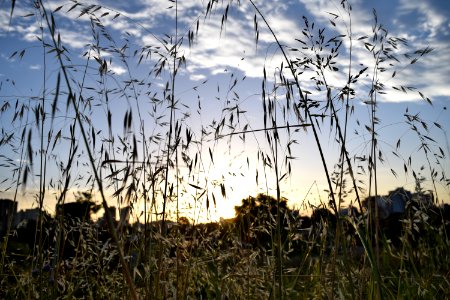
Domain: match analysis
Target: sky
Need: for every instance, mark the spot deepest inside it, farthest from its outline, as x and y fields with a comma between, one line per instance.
x=118, y=58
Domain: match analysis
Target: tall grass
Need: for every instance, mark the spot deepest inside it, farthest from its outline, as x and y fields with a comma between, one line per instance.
x=162, y=159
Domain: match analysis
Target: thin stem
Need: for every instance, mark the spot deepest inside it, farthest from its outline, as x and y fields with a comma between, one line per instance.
x=111, y=227
x=304, y=100
x=172, y=118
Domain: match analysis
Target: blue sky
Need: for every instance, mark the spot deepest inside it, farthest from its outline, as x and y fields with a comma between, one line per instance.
x=218, y=56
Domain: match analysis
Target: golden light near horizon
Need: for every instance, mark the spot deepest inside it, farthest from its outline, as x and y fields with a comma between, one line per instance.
x=239, y=183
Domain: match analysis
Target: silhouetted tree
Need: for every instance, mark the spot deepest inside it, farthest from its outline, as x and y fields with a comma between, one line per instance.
x=81, y=209
x=323, y=226
x=73, y=216
x=256, y=219
x=321, y=216
x=26, y=233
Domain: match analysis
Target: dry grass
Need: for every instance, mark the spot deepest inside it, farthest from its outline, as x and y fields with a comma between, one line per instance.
x=153, y=154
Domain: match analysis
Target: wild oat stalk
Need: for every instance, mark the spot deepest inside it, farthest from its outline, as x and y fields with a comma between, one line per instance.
x=51, y=26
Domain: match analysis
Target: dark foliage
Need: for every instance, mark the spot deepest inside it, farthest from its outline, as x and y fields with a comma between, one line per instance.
x=256, y=220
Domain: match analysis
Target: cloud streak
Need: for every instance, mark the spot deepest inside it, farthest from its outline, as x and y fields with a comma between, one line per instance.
x=233, y=46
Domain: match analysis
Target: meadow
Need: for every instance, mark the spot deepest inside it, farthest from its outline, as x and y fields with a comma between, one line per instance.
x=133, y=143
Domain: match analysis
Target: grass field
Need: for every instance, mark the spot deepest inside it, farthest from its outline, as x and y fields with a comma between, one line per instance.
x=70, y=138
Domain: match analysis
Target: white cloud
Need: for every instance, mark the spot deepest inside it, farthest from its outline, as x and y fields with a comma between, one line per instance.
x=197, y=77
x=234, y=48
x=117, y=69
x=35, y=67
x=4, y=21
x=430, y=75
x=74, y=39
x=431, y=20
